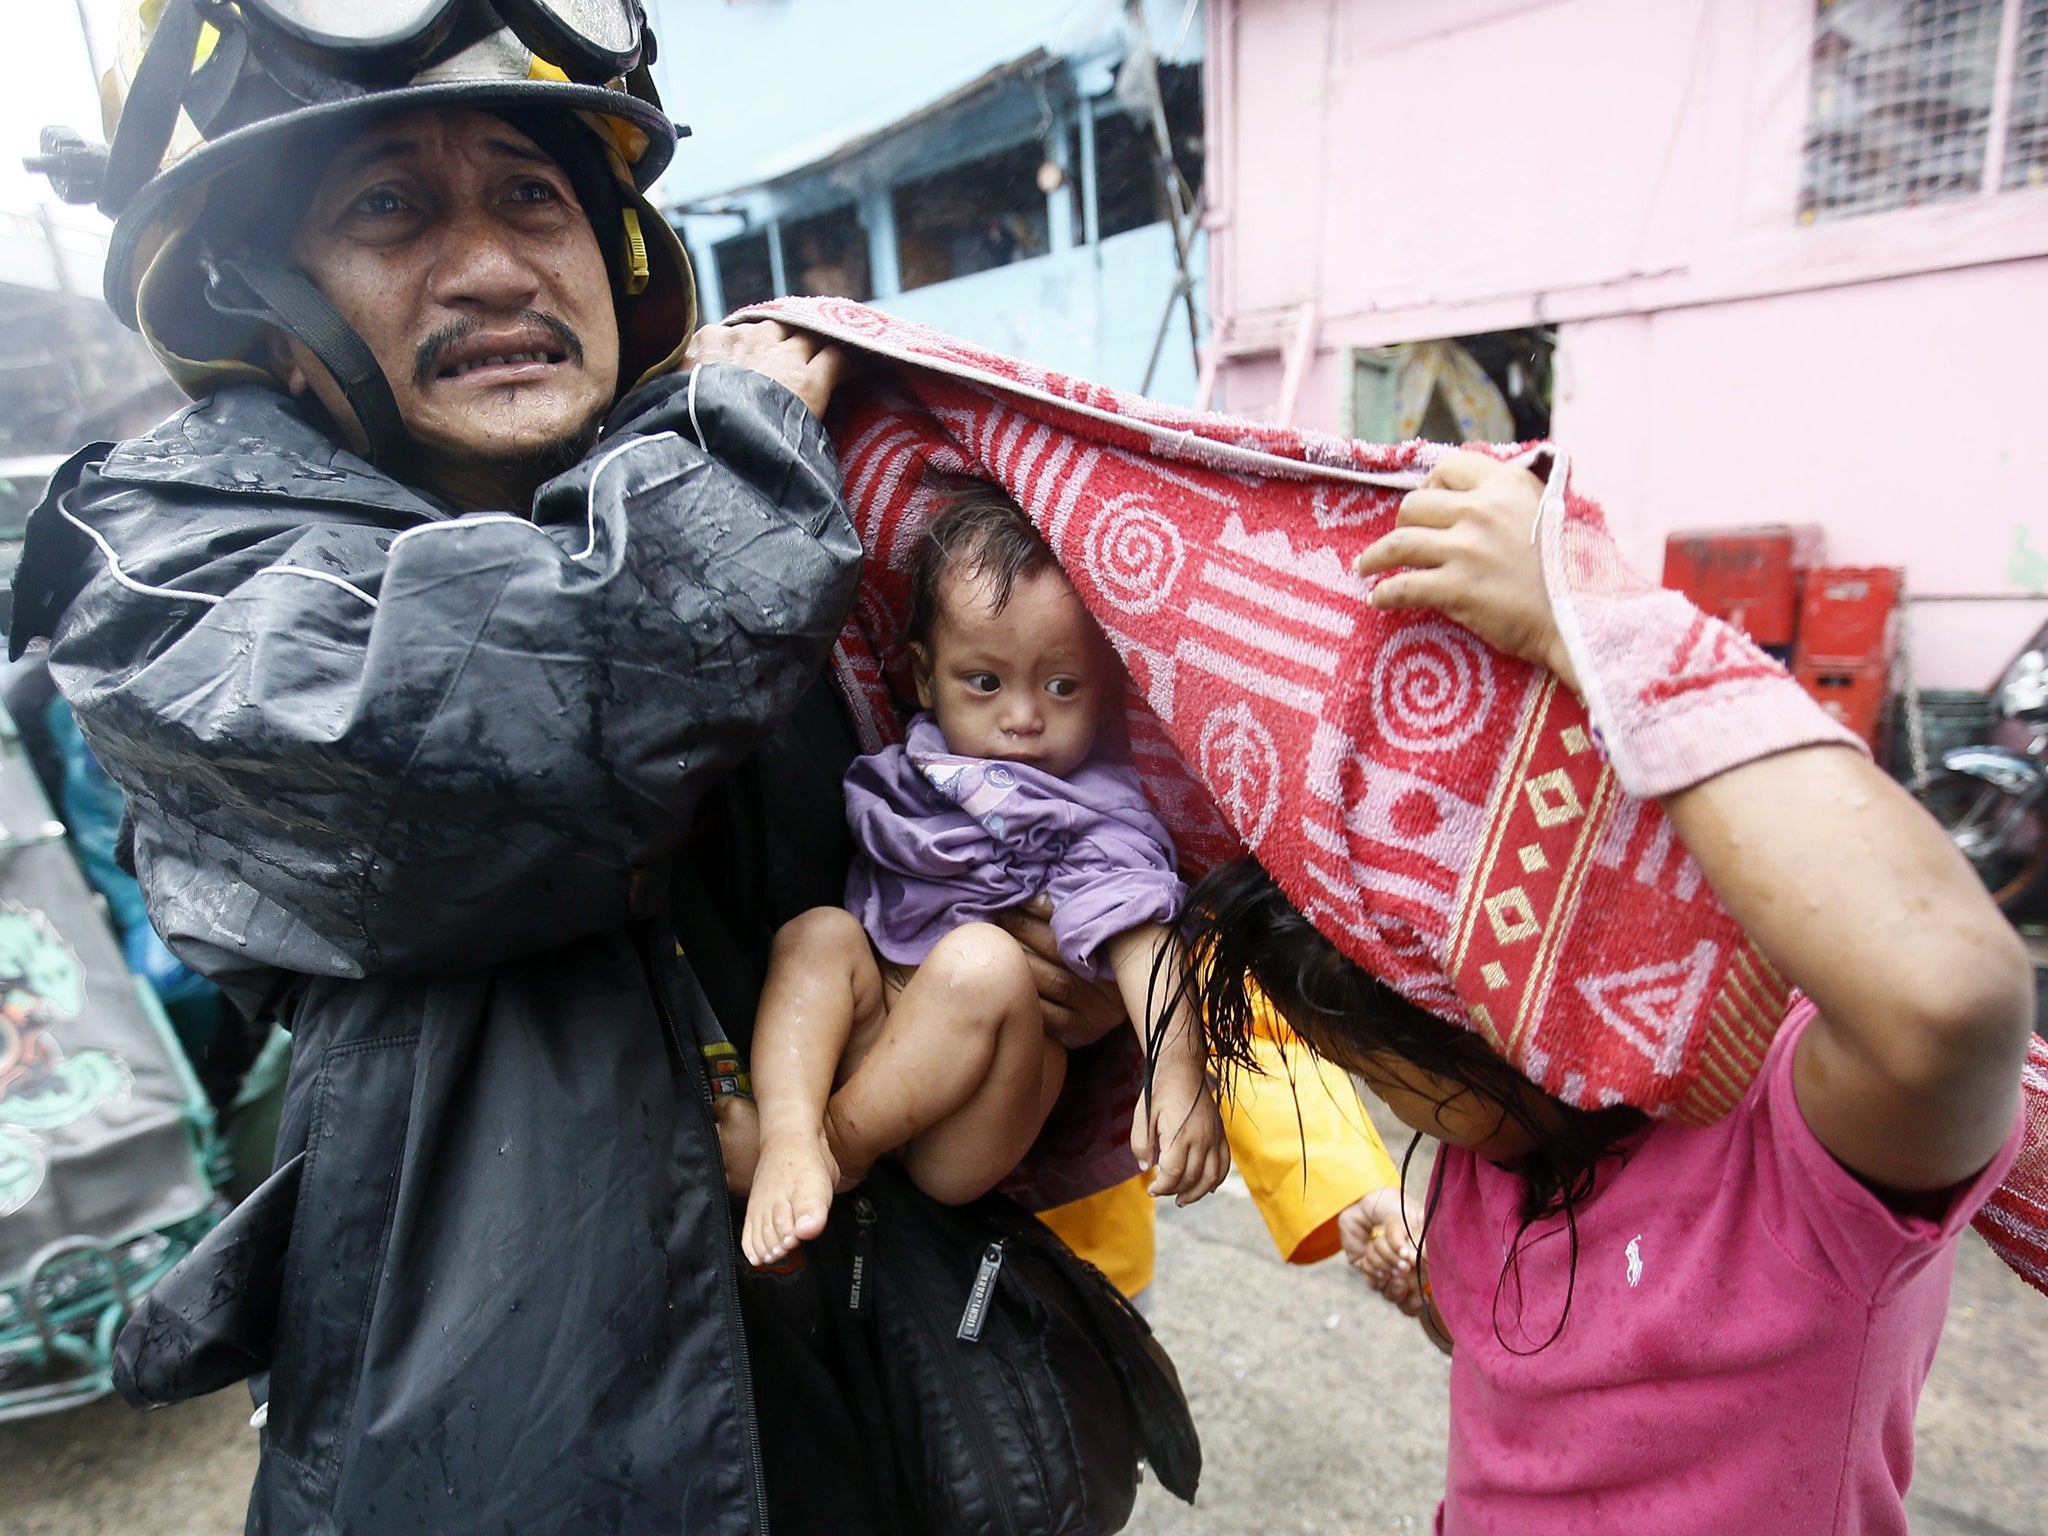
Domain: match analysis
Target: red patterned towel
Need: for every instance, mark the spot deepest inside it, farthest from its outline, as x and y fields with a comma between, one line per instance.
x=1446, y=814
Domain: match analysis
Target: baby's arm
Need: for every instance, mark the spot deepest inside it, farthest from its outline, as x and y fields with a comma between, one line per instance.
x=1178, y=1133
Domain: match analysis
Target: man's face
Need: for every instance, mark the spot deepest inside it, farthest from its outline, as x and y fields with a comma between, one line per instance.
x=458, y=252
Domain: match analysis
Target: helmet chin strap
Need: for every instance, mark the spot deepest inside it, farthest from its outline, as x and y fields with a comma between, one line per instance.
x=254, y=286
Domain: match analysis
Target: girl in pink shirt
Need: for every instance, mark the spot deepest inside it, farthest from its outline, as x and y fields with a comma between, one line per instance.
x=1657, y=1328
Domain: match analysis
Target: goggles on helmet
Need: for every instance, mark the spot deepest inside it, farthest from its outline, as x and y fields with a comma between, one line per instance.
x=319, y=51
x=590, y=41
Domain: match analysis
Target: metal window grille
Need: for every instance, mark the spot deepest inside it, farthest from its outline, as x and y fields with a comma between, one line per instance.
x=2026, y=142
x=1901, y=108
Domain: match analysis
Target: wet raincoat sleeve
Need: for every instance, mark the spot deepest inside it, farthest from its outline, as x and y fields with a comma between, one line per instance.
x=356, y=750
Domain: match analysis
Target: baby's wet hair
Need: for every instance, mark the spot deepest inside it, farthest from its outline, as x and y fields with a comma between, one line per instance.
x=979, y=531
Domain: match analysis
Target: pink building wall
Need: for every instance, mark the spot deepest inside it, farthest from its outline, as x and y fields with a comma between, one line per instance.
x=1630, y=172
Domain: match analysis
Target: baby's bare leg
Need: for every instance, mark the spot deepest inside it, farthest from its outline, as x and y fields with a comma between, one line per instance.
x=959, y=1074
x=965, y=1155
x=822, y=982
x=739, y=1140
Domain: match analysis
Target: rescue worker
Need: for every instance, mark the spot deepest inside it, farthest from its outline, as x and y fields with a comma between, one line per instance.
x=417, y=643
x=458, y=651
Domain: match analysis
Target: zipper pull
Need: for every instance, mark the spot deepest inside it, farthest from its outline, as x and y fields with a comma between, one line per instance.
x=863, y=1256
x=983, y=1292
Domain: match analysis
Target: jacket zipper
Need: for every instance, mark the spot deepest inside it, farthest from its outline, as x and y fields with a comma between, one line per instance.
x=982, y=1443
x=728, y=1261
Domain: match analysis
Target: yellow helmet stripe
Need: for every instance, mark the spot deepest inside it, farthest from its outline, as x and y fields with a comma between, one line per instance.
x=638, y=271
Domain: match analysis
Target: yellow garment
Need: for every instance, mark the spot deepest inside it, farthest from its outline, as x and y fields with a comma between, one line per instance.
x=1304, y=1146
x=1114, y=1231
x=1299, y=1137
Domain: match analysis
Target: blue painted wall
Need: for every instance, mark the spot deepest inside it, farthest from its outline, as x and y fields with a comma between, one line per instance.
x=773, y=87
x=1092, y=311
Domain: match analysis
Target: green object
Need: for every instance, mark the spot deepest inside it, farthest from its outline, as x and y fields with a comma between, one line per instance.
x=108, y=1155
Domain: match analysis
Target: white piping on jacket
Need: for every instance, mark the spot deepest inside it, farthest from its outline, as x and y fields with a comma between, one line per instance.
x=121, y=576
x=312, y=575
x=211, y=599
x=589, y=504
x=690, y=396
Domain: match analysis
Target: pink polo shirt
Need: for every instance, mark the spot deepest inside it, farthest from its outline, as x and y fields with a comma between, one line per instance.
x=1749, y=1332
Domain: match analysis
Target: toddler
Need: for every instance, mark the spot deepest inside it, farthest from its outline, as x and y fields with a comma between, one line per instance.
x=908, y=1022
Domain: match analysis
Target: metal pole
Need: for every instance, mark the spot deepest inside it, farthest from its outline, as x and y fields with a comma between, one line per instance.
x=1183, y=293
x=92, y=56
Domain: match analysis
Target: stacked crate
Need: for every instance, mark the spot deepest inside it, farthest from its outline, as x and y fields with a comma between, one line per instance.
x=1748, y=576
x=1835, y=626
x=1847, y=635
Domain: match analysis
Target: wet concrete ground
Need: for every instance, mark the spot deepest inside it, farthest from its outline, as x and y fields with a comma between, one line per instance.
x=1321, y=1411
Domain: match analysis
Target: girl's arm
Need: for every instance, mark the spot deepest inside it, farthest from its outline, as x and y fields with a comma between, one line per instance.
x=1910, y=1076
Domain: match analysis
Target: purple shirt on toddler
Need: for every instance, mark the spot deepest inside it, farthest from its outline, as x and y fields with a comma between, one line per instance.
x=945, y=840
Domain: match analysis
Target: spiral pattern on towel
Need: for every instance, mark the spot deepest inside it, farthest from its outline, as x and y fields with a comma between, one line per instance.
x=1134, y=553
x=1432, y=688
x=857, y=318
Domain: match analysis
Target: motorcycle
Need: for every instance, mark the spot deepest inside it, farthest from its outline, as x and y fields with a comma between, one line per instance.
x=1992, y=796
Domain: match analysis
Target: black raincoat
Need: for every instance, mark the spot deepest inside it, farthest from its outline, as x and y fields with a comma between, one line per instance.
x=418, y=786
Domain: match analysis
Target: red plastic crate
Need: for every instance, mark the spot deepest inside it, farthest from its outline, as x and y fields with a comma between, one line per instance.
x=1748, y=576
x=1855, y=695
x=1846, y=614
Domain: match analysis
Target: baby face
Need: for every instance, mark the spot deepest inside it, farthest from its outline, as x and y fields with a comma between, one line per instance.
x=1028, y=684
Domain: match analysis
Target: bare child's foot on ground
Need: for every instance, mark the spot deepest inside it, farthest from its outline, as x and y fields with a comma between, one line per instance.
x=794, y=1180
x=739, y=1140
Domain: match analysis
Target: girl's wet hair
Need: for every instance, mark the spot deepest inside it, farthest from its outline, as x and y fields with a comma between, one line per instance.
x=1243, y=937
x=979, y=531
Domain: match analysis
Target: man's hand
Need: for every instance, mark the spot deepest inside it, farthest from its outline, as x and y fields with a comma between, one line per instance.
x=1077, y=1012
x=1462, y=546
x=808, y=368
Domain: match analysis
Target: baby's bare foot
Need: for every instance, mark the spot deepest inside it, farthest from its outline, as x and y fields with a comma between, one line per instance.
x=792, y=1194
x=739, y=1139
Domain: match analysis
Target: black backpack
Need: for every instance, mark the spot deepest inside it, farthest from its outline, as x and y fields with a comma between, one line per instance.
x=1018, y=1389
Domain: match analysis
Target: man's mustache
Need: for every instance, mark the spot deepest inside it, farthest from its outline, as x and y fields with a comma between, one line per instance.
x=426, y=365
